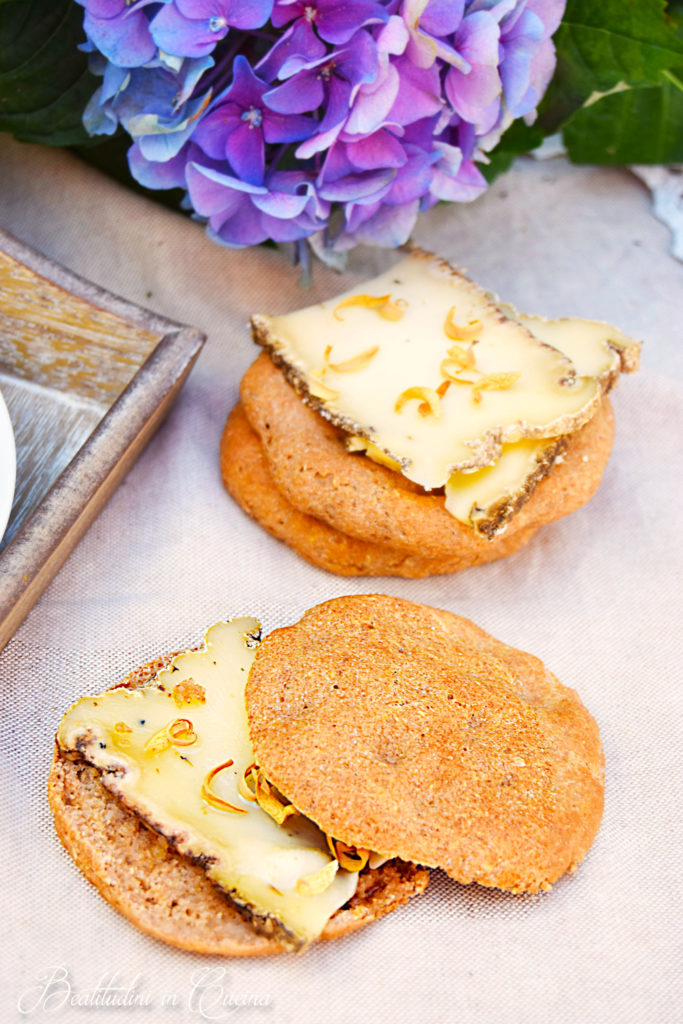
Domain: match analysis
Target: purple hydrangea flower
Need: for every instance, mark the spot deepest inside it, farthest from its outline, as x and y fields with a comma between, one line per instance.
x=429, y=23
x=284, y=208
x=192, y=28
x=281, y=118
x=328, y=82
x=158, y=106
x=238, y=126
x=474, y=89
x=331, y=20
x=119, y=30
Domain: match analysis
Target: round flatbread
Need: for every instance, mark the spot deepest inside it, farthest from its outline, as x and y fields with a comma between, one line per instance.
x=164, y=893
x=312, y=469
x=410, y=731
x=246, y=476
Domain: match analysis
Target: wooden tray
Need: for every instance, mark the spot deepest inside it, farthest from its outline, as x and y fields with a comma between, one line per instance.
x=87, y=378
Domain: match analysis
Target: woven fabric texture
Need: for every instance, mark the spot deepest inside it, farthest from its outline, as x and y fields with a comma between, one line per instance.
x=596, y=596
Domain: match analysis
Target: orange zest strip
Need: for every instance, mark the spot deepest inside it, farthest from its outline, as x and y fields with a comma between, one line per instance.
x=461, y=332
x=320, y=390
x=211, y=798
x=382, y=304
x=452, y=375
x=319, y=374
x=270, y=801
x=178, y=733
x=246, y=781
x=312, y=885
x=493, y=382
x=393, y=309
x=181, y=733
x=158, y=742
x=350, y=858
x=428, y=398
x=358, y=362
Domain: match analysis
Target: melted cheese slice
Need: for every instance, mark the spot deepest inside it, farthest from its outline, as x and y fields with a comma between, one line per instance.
x=273, y=871
x=376, y=368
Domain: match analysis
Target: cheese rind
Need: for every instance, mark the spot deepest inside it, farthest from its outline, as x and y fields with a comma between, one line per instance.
x=488, y=498
x=256, y=862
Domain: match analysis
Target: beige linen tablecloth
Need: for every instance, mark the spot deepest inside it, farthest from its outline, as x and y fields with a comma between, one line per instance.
x=596, y=596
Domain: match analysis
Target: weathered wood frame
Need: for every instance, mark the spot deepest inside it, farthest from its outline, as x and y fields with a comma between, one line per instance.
x=48, y=536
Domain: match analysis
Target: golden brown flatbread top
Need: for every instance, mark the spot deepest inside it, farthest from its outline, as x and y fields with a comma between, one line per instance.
x=412, y=732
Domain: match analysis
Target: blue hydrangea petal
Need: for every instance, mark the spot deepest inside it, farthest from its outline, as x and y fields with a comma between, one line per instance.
x=98, y=117
x=287, y=128
x=125, y=41
x=295, y=50
x=381, y=149
x=155, y=174
x=357, y=187
x=176, y=34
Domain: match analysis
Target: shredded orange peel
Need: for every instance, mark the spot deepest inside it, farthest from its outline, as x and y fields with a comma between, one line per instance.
x=312, y=885
x=320, y=390
x=254, y=786
x=430, y=403
x=181, y=733
x=493, y=382
x=350, y=858
x=390, y=309
x=461, y=332
x=353, y=364
x=210, y=796
x=247, y=783
x=178, y=733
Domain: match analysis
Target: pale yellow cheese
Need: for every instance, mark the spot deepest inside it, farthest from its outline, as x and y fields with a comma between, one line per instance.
x=361, y=444
x=283, y=872
x=474, y=497
x=597, y=349
x=364, y=367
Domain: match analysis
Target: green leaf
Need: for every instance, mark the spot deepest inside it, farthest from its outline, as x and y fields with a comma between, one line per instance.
x=519, y=138
x=600, y=47
x=44, y=79
x=601, y=44
x=638, y=126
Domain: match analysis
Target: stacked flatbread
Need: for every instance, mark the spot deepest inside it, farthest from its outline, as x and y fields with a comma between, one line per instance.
x=303, y=454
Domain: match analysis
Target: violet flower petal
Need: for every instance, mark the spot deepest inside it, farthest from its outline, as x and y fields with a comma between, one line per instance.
x=381, y=149
x=158, y=174
x=245, y=150
x=297, y=95
x=212, y=129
